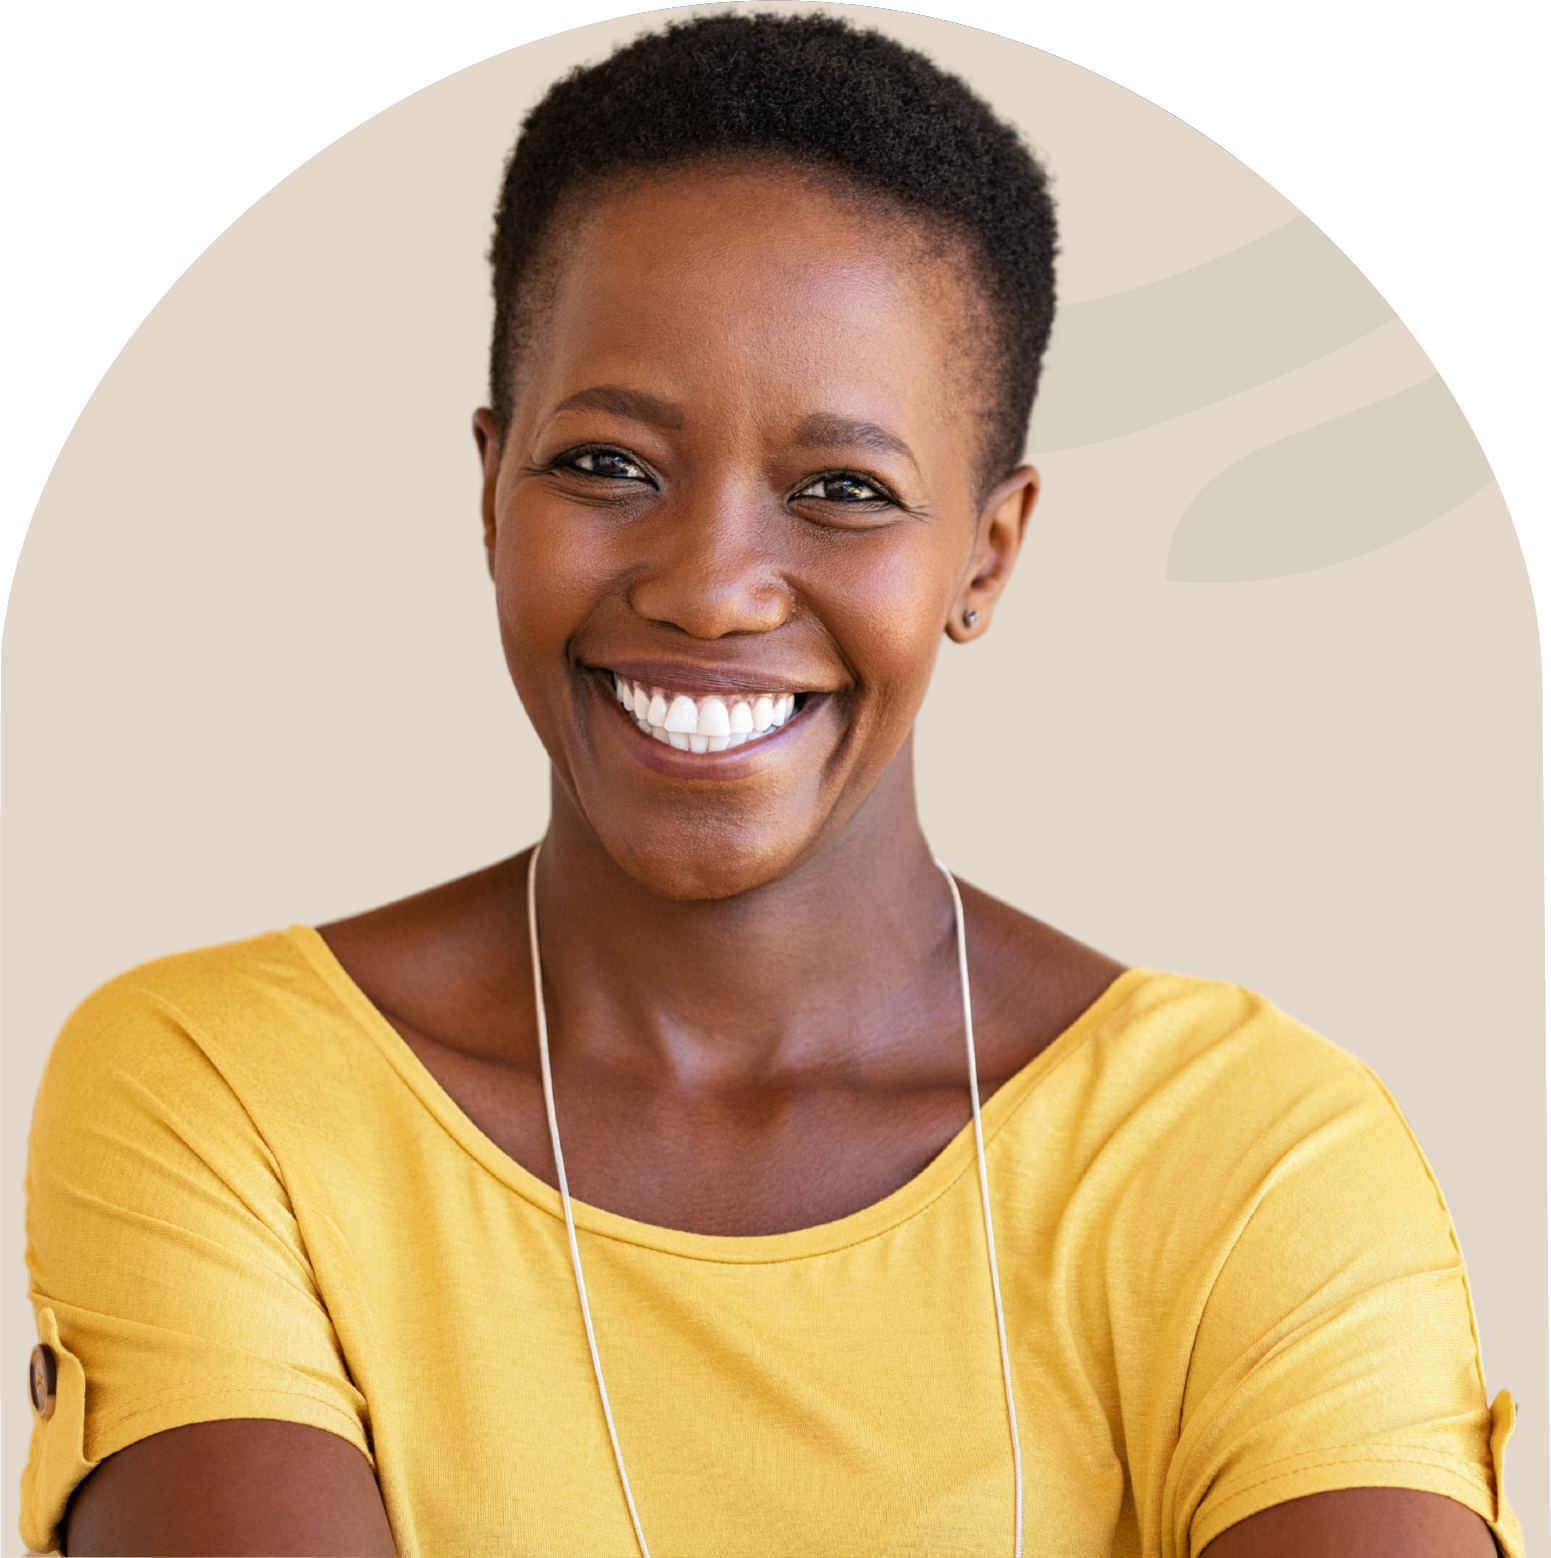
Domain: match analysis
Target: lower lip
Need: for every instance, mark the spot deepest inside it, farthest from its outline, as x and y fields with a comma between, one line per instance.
x=663, y=755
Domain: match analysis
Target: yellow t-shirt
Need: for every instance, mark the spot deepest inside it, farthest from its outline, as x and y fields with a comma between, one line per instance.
x=1229, y=1279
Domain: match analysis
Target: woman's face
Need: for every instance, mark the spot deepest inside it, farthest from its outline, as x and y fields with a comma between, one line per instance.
x=742, y=476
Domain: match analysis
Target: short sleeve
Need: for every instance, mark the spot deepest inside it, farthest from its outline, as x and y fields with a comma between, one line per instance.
x=168, y=1272
x=1338, y=1347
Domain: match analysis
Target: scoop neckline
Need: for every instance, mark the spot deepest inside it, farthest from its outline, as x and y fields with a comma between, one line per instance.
x=868, y=1222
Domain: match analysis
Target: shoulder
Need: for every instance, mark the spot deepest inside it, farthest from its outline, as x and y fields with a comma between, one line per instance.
x=158, y=1105
x=1183, y=1103
x=247, y=1075
x=196, y=1025
x=1216, y=1156
x=1215, y=1041
x=1222, y=1070
x=1174, y=1046
x=1232, y=1116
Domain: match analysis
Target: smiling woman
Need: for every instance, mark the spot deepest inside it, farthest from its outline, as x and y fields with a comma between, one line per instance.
x=716, y=1177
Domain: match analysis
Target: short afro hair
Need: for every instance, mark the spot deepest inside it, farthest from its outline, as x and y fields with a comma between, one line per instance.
x=831, y=97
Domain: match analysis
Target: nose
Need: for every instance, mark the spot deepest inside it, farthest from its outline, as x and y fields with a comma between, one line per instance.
x=711, y=567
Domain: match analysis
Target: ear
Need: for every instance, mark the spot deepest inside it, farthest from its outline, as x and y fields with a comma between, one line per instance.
x=998, y=540
x=487, y=439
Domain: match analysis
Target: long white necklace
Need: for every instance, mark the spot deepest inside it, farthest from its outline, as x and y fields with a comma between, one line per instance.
x=570, y=1221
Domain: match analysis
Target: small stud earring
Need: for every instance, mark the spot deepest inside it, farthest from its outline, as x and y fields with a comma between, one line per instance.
x=971, y=618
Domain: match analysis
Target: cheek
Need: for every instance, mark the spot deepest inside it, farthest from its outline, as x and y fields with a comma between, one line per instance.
x=546, y=582
x=885, y=597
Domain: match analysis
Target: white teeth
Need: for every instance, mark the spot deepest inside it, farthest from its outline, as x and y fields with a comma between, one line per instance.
x=709, y=724
x=683, y=719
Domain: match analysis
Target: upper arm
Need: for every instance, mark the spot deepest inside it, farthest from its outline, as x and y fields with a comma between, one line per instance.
x=169, y=1273
x=238, y=1486
x=1359, y=1523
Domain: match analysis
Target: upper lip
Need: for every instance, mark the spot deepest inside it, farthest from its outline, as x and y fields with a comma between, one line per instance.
x=705, y=679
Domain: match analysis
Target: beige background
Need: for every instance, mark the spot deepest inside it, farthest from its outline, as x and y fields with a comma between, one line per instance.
x=1265, y=694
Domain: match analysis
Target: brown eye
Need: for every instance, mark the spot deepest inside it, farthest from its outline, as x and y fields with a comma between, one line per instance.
x=844, y=487
x=608, y=463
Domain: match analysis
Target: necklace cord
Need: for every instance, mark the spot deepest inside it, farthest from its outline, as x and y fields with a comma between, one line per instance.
x=565, y=1197
x=985, y=1204
x=570, y=1221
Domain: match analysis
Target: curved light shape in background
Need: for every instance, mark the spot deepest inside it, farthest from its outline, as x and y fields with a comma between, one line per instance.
x=1139, y=357
x=1333, y=492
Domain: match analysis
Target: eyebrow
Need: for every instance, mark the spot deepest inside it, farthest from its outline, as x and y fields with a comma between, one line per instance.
x=826, y=431
x=636, y=404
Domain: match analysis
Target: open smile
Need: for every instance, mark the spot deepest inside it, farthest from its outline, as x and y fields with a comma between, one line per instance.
x=715, y=722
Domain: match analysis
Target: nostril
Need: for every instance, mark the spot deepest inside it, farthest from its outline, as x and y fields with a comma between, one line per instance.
x=707, y=599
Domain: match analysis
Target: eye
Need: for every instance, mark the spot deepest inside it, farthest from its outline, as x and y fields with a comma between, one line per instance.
x=611, y=464
x=844, y=487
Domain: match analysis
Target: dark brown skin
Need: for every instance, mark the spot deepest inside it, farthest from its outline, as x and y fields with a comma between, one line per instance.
x=1351, y=1523
x=240, y=1486
x=749, y=959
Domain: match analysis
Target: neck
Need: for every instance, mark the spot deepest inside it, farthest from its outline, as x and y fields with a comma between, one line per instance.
x=813, y=969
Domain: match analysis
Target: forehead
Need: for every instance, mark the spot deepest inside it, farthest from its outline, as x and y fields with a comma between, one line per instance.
x=756, y=286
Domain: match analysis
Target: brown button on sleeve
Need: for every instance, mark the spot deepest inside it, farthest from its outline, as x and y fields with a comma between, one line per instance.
x=42, y=1378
